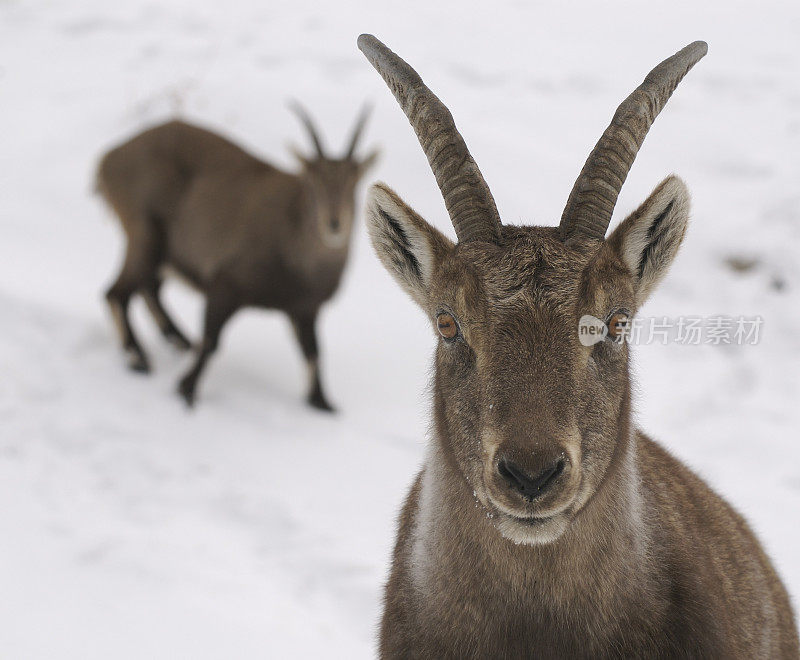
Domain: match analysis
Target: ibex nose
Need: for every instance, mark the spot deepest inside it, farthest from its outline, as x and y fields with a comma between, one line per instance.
x=335, y=224
x=530, y=487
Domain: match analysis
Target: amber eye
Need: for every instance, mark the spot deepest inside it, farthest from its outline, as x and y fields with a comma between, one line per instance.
x=446, y=325
x=617, y=326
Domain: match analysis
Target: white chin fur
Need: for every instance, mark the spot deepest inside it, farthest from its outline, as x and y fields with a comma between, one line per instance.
x=539, y=533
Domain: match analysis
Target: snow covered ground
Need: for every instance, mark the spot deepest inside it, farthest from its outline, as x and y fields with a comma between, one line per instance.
x=254, y=527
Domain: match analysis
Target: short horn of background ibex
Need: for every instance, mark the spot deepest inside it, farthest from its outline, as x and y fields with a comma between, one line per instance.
x=306, y=120
x=358, y=129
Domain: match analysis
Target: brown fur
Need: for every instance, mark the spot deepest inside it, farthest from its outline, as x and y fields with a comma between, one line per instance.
x=626, y=553
x=240, y=230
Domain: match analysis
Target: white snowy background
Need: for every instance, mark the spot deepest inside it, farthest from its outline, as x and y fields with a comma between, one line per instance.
x=253, y=527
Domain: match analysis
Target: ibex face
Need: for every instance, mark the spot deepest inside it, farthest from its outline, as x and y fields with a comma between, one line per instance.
x=529, y=414
x=331, y=182
x=332, y=185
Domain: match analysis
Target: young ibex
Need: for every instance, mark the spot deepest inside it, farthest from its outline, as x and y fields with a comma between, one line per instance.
x=543, y=523
x=240, y=230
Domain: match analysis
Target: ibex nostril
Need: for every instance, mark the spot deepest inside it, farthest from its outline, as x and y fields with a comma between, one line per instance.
x=530, y=487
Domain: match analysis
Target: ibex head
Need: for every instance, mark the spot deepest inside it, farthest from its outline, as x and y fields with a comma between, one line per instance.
x=527, y=414
x=332, y=181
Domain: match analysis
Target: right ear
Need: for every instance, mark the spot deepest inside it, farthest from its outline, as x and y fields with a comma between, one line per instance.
x=369, y=161
x=649, y=238
x=409, y=248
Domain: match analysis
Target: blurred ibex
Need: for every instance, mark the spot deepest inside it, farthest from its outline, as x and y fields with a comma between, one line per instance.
x=543, y=523
x=240, y=230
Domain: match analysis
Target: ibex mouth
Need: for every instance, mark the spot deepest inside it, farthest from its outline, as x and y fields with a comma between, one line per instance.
x=532, y=530
x=527, y=519
x=531, y=521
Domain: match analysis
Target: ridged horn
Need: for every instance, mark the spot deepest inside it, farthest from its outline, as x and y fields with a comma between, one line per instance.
x=594, y=195
x=304, y=117
x=466, y=194
x=357, y=130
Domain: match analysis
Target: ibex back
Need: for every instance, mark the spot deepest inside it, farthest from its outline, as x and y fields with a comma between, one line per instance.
x=543, y=524
x=240, y=230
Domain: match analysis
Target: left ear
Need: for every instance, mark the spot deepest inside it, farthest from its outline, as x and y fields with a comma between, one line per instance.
x=369, y=161
x=648, y=239
x=304, y=160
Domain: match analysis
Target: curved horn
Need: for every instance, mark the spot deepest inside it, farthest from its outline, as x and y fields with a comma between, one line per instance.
x=357, y=130
x=594, y=195
x=304, y=117
x=466, y=194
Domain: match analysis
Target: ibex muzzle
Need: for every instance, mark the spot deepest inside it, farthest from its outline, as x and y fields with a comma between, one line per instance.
x=543, y=524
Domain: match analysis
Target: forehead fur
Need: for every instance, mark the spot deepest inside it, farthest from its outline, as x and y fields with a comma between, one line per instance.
x=331, y=169
x=531, y=264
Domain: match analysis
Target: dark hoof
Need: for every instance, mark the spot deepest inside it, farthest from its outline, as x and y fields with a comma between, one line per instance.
x=137, y=362
x=320, y=403
x=186, y=390
x=178, y=341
